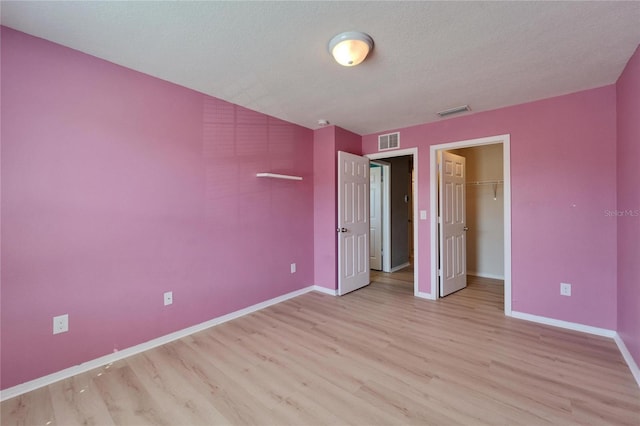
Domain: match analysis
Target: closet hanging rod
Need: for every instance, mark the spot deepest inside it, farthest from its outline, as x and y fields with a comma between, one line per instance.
x=486, y=182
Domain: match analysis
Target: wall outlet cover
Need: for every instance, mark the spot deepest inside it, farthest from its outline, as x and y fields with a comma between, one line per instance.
x=61, y=324
x=565, y=289
x=168, y=298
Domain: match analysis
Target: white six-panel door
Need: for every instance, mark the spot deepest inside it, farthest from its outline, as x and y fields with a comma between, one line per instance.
x=353, y=222
x=375, y=233
x=453, y=242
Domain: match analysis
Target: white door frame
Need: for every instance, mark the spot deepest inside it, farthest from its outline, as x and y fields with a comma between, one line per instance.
x=400, y=153
x=386, y=214
x=506, y=168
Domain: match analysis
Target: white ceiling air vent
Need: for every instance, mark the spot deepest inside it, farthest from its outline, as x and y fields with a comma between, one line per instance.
x=389, y=141
x=456, y=110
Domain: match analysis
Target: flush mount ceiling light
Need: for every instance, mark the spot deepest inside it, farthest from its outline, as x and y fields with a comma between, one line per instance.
x=350, y=48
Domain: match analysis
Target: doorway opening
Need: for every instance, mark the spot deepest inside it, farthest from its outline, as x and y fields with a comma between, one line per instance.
x=490, y=257
x=399, y=201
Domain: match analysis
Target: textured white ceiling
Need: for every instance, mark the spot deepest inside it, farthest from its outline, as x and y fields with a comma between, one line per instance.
x=428, y=56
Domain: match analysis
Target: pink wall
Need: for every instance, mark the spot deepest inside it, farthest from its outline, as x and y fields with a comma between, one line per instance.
x=628, y=101
x=563, y=175
x=324, y=201
x=327, y=142
x=117, y=187
x=347, y=141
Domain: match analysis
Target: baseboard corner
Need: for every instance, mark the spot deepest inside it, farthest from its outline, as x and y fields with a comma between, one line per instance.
x=423, y=295
x=486, y=275
x=325, y=290
x=399, y=267
x=633, y=366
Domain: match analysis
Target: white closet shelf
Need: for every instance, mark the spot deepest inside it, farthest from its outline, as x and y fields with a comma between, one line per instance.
x=278, y=176
x=486, y=182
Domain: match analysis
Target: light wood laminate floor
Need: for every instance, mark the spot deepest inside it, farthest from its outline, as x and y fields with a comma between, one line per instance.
x=377, y=356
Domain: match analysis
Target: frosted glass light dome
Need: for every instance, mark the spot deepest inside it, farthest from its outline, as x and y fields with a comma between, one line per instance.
x=350, y=48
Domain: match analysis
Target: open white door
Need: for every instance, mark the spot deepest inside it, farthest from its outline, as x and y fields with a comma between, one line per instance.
x=453, y=242
x=375, y=233
x=353, y=222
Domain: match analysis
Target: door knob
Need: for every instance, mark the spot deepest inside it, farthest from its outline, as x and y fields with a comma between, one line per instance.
x=342, y=229
x=466, y=228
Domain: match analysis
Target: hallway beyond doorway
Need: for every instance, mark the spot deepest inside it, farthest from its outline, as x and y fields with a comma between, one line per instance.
x=403, y=277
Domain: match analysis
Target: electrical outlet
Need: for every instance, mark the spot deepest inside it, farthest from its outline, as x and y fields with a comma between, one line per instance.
x=565, y=289
x=61, y=324
x=293, y=268
x=168, y=298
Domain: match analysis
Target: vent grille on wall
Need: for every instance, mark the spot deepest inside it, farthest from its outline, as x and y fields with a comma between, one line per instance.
x=389, y=141
x=456, y=110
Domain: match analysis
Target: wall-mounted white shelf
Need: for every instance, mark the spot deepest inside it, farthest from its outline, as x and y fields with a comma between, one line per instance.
x=277, y=176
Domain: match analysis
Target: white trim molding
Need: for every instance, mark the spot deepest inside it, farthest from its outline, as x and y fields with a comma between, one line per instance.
x=423, y=295
x=399, y=267
x=133, y=350
x=325, y=290
x=628, y=358
x=484, y=275
x=633, y=366
x=564, y=324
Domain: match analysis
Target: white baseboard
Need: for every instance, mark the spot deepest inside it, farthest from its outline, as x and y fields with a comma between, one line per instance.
x=133, y=350
x=635, y=371
x=628, y=358
x=397, y=268
x=564, y=324
x=325, y=290
x=423, y=295
x=485, y=275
